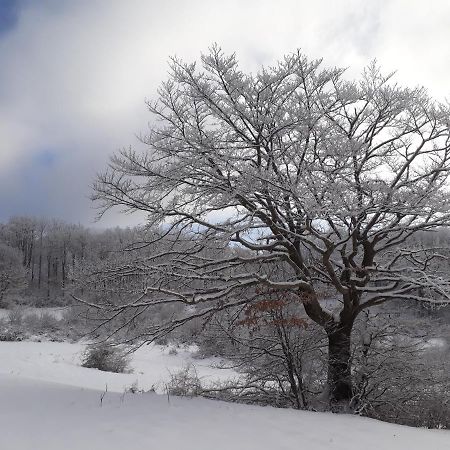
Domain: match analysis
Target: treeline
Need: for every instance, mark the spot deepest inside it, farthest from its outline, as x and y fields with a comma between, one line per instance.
x=40, y=257
x=47, y=251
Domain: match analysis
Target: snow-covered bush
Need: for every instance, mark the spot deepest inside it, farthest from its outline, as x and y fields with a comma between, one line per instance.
x=42, y=322
x=399, y=377
x=12, y=327
x=11, y=335
x=106, y=357
x=16, y=317
x=185, y=383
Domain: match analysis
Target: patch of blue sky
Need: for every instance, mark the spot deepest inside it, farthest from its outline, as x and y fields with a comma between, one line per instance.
x=9, y=14
x=45, y=158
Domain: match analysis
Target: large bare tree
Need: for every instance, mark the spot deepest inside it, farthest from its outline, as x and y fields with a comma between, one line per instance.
x=294, y=165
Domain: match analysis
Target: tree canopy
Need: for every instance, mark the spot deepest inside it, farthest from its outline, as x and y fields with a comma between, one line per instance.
x=295, y=166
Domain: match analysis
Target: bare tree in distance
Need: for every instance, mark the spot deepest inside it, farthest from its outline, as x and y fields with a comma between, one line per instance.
x=12, y=273
x=294, y=165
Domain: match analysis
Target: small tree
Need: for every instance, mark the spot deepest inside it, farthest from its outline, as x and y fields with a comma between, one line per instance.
x=328, y=178
x=273, y=346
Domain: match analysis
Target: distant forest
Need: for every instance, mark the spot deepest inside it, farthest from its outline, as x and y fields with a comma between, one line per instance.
x=41, y=255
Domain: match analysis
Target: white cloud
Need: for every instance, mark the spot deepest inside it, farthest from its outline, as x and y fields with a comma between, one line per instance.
x=74, y=75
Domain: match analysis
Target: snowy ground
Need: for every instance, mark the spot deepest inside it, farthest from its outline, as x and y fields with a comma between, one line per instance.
x=48, y=402
x=59, y=362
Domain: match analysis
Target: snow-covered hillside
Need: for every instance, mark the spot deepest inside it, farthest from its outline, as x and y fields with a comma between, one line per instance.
x=47, y=402
x=36, y=415
x=60, y=362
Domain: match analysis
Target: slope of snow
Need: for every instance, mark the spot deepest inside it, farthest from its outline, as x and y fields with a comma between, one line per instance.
x=49, y=402
x=36, y=415
x=59, y=362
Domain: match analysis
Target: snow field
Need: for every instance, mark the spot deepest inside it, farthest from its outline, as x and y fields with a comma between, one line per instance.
x=49, y=402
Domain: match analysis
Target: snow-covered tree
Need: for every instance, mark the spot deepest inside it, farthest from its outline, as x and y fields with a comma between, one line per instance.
x=12, y=273
x=293, y=164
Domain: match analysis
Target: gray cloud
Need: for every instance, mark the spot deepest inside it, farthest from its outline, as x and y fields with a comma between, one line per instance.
x=74, y=75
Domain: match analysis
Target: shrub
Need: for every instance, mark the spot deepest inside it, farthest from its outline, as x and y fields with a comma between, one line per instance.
x=398, y=376
x=16, y=317
x=41, y=323
x=11, y=335
x=106, y=357
x=185, y=383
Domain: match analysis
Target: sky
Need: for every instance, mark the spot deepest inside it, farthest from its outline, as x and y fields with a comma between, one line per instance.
x=75, y=74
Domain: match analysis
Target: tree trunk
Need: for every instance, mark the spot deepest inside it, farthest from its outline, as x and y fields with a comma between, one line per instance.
x=40, y=269
x=32, y=270
x=40, y=259
x=49, y=271
x=340, y=389
x=339, y=365
x=63, y=268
